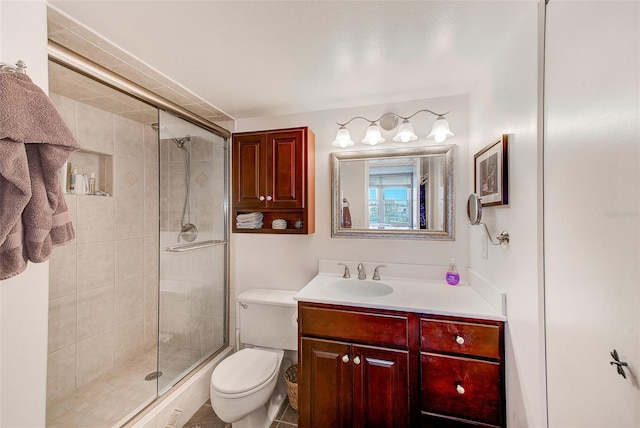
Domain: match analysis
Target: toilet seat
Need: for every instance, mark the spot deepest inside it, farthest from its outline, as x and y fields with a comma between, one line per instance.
x=257, y=366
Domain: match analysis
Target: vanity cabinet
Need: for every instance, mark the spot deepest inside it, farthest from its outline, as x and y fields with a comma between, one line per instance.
x=274, y=173
x=354, y=369
x=361, y=367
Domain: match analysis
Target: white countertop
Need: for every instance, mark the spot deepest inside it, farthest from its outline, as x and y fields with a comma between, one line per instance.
x=412, y=295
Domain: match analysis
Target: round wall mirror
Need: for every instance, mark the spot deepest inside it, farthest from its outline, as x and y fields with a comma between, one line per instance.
x=474, y=209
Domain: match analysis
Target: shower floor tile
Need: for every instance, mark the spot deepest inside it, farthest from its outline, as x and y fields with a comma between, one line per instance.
x=108, y=400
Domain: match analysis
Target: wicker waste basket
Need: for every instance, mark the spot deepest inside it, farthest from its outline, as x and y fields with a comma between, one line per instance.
x=291, y=379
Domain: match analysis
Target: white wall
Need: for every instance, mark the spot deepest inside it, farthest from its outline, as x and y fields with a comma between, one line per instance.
x=504, y=101
x=290, y=261
x=24, y=299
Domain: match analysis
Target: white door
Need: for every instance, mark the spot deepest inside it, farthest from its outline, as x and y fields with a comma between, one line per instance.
x=592, y=212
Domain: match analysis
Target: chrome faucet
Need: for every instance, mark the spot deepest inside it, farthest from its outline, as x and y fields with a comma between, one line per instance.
x=346, y=271
x=361, y=273
x=376, y=274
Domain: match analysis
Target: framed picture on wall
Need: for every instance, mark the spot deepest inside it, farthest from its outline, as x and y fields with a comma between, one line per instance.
x=491, y=173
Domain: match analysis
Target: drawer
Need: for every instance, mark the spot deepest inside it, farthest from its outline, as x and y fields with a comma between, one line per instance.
x=481, y=340
x=461, y=387
x=353, y=326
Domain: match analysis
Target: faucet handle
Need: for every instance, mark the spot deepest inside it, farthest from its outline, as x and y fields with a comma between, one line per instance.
x=376, y=274
x=346, y=271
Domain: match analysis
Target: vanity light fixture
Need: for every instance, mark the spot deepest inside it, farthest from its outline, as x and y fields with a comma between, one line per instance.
x=439, y=131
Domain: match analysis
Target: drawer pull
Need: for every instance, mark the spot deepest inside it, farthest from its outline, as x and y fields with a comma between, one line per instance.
x=459, y=340
x=345, y=358
x=261, y=198
x=356, y=360
x=459, y=388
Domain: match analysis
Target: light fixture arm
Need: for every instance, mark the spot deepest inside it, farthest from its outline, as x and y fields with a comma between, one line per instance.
x=419, y=111
x=354, y=118
x=392, y=114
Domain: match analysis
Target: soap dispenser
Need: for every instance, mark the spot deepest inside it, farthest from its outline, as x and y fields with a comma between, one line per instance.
x=453, y=277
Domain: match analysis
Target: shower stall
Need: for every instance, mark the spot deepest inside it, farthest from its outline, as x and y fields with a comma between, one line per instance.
x=140, y=299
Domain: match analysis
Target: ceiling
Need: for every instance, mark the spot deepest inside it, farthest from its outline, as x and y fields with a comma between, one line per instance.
x=263, y=58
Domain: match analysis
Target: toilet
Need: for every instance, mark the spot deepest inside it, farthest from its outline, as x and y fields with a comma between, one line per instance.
x=248, y=387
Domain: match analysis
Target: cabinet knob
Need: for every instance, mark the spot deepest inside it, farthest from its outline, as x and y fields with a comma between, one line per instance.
x=261, y=198
x=459, y=388
x=356, y=360
x=459, y=340
x=345, y=358
x=269, y=198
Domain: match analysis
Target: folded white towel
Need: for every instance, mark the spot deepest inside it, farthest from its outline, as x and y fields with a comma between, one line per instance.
x=250, y=226
x=250, y=216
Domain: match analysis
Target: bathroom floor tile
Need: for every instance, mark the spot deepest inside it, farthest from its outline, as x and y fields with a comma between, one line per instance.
x=205, y=417
x=289, y=416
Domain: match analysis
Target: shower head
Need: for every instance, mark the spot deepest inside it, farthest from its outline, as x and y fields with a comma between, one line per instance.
x=180, y=142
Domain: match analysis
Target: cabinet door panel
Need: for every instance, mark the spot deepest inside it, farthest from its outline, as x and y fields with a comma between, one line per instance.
x=480, y=396
x=287, y=180
x=325, y=384
x=381, y=388
x=249, y=169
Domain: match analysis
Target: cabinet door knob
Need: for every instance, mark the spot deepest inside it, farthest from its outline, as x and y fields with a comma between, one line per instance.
x=269, y=198
x=459, y=388
x=345, y=358
x=459, y=340
x=356, y=360
x=261, y=198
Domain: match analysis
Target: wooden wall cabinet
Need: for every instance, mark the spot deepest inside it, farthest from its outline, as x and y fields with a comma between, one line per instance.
x=379, y=368
x=273, y=172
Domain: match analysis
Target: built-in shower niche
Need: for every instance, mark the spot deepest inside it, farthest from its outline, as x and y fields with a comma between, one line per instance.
x=101, y=164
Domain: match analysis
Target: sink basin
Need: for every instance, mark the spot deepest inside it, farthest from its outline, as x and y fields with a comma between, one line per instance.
x=359, y=288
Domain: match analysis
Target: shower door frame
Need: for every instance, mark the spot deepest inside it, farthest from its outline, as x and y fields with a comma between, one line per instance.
x=81, y=65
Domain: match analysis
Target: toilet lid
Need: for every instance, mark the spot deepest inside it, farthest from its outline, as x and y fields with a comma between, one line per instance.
x=254, y=365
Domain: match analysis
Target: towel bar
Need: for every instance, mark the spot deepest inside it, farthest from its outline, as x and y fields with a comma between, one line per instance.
x=193, y=246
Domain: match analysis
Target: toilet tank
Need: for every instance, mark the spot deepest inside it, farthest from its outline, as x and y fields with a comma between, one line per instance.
x=268, y=318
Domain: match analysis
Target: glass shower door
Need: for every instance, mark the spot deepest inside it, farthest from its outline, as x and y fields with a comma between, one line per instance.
x=193, y=247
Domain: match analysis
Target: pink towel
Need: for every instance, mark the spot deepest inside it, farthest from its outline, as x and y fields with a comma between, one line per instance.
x=34, y=145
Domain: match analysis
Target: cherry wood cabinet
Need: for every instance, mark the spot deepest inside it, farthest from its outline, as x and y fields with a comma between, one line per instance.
x=349, y=383
x=380, y=368
x=462, y=372
x=273, y=172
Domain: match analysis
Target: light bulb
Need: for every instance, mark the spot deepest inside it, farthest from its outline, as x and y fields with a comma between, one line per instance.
x=440, y=130
x=343, y=138
x=405, y=132
x=373, y=135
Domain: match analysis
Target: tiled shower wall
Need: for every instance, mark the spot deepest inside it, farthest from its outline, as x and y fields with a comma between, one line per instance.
x=103, y=287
